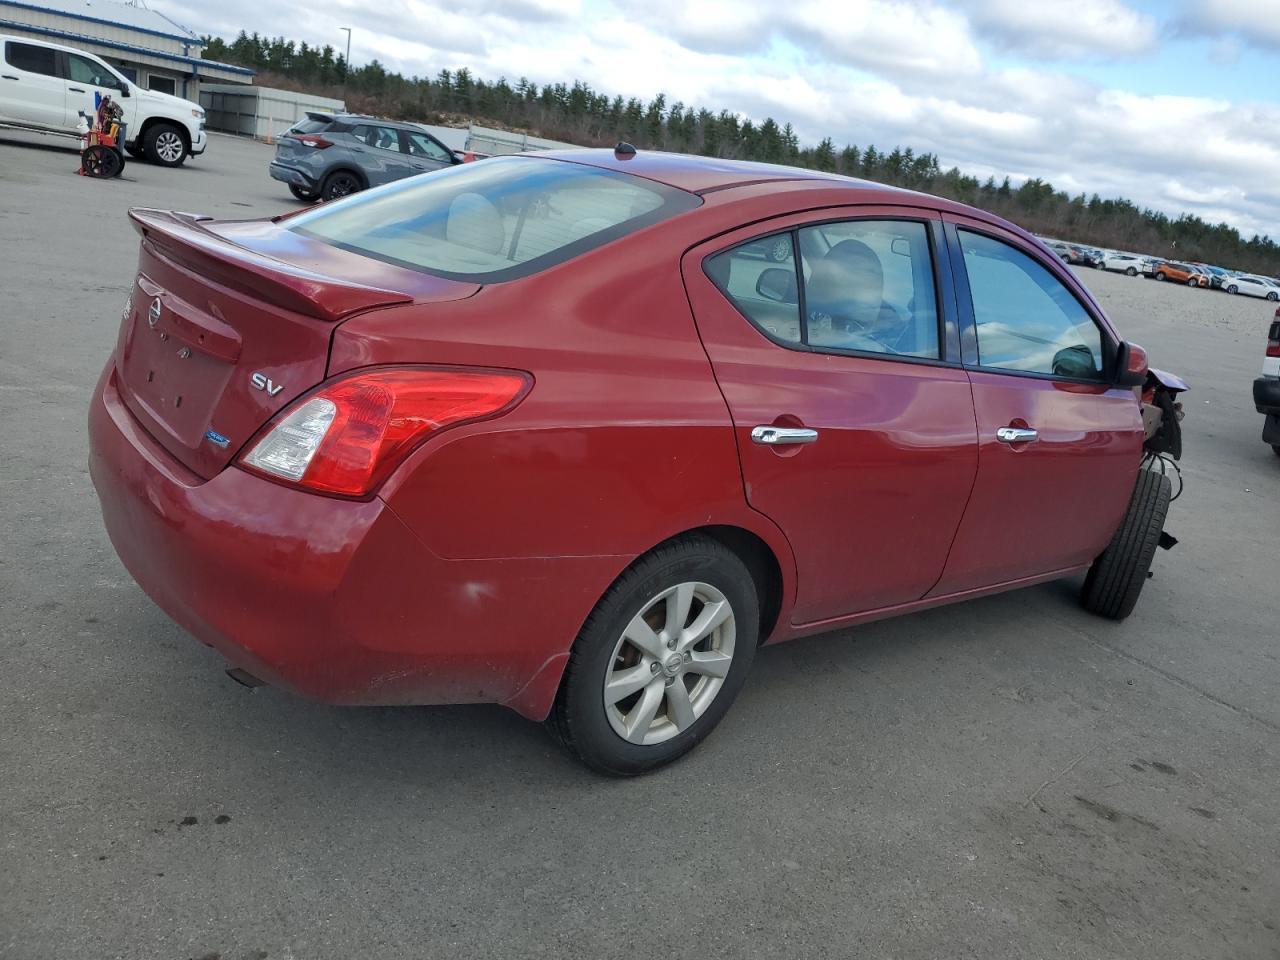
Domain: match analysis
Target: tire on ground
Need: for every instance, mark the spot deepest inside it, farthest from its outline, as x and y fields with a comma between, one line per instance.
x=164, y=144
x=579, y=719
x=302, y=194
x=1116, y=578
x=340, y=183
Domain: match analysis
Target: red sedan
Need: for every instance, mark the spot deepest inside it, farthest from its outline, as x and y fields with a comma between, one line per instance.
x=576, y=432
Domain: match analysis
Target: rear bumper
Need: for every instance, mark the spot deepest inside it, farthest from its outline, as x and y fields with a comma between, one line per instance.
x=1266, y=395
x=291, y=175
x=336, y=600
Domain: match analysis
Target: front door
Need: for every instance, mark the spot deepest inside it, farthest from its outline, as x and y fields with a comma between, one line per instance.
x=31, y=91
x=87, y=83
x=1058, y=446
x=425, y=153
x=853, y=417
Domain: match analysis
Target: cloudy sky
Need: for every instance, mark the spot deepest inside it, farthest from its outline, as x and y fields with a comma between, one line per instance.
x=1175, y=105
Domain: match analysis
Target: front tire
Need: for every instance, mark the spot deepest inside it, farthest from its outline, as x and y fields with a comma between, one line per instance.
x=1273, y=296
x=1131, y=272
x=1233, y=289
x=163, y=143
x=1116, y=578
x=660, y=660
x=1160, y=277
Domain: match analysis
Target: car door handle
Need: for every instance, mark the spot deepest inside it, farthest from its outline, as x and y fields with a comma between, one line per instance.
x=1016, y=435
x=76, y=89
x=776, y=436
x=9, y=76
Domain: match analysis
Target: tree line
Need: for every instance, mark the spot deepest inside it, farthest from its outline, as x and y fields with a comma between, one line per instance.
x=576, y=113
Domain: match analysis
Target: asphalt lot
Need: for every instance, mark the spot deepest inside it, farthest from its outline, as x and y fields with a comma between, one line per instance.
x=1011, y=777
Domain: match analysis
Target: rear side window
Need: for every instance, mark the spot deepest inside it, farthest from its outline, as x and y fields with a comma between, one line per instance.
x=499, y=219
x=31, y=58
x=380, y=138
x=1026, y=319
x=866, y=287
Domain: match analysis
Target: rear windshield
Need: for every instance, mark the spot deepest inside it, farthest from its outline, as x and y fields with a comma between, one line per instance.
x=493, y=220
x=310, y=125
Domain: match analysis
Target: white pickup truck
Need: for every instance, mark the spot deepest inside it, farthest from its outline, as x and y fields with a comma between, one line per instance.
x=46, y=86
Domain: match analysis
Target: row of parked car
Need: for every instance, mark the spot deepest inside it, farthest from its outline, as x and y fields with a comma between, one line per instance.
x=1173, y=271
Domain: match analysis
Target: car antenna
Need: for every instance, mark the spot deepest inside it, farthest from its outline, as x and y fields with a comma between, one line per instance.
x=624, y=150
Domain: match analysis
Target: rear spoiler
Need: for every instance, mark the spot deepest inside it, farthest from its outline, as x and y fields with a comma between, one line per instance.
x=180, y=237
x=321, y=117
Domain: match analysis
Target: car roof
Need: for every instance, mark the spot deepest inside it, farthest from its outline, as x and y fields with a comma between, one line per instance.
x=702, y=174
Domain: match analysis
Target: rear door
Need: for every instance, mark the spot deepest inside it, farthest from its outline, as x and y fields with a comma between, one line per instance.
x=377, y=152
x=1058, y=446
x=851, y=410
x=31, y=91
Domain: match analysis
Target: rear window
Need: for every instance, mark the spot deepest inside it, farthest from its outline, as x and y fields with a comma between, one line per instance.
x=310, y=125
x=495, y=220
x=31, y=58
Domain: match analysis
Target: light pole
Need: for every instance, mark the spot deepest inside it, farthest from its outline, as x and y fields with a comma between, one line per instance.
x=347, y=72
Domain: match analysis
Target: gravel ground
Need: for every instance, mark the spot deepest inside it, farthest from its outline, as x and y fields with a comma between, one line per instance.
x=1006, y=778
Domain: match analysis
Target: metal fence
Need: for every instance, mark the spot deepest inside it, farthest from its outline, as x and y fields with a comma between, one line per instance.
x=260, y=112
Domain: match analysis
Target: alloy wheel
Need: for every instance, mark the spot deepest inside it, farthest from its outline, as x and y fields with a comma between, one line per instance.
x=169, y=146
x=670, y=663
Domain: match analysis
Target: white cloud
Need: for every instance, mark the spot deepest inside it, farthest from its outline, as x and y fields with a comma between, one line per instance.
x=888, y=72
x=1253, y=22
x=1081, y=30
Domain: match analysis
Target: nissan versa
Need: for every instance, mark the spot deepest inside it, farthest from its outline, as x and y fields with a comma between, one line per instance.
x=577, y=432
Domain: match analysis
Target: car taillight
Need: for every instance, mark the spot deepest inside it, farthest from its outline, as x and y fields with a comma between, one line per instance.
x=347, y=436
x=320, y=143
x=1273, y=337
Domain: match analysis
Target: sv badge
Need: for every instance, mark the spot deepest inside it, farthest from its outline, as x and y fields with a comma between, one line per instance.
x=262, y=382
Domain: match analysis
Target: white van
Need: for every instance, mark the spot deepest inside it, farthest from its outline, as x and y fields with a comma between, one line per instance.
x=46, y=86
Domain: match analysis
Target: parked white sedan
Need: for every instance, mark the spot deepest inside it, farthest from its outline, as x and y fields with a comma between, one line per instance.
x=1127, y=263
x=1253, y=286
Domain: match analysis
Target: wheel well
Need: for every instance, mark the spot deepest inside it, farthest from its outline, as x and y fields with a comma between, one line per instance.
x=762, y=563
x=150, y=122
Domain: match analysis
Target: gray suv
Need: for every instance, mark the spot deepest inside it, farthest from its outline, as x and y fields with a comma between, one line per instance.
x=330, y=155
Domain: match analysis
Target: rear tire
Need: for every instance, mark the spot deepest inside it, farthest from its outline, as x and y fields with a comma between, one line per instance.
x=1116, y=578
x=1131, y=272
x=1233, y=289
x=1192, y=282
x=301, y=194
x=340, y=183
x=1160, y=277
x=1273, y=296
x=650, y=725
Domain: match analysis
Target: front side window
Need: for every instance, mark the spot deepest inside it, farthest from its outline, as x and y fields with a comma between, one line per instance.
x=420, y=145
x=83, y=70
x=502, y=218
x=32, y=58
x=1025, y=318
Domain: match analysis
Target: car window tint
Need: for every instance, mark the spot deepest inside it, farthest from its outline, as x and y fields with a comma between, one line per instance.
x=31, y=58
x=1026, y=319
x=380, y=138
x=310, y=125
x=868, y=285
x=760, y=278
x=420, y=145
x=504, y=218
x=83, y=70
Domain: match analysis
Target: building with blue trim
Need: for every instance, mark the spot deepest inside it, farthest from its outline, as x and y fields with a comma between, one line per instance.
x=148, y=47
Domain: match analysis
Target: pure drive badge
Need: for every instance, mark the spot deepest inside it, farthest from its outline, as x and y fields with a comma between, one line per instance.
x=213, y=436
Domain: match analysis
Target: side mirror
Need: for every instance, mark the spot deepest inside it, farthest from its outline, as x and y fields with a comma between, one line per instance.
x=1131, y=365
x=1076, y=361
x=124, y=90
x=777, y=284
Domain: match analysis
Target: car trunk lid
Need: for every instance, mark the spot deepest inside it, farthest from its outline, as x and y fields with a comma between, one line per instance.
x=229, y=322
